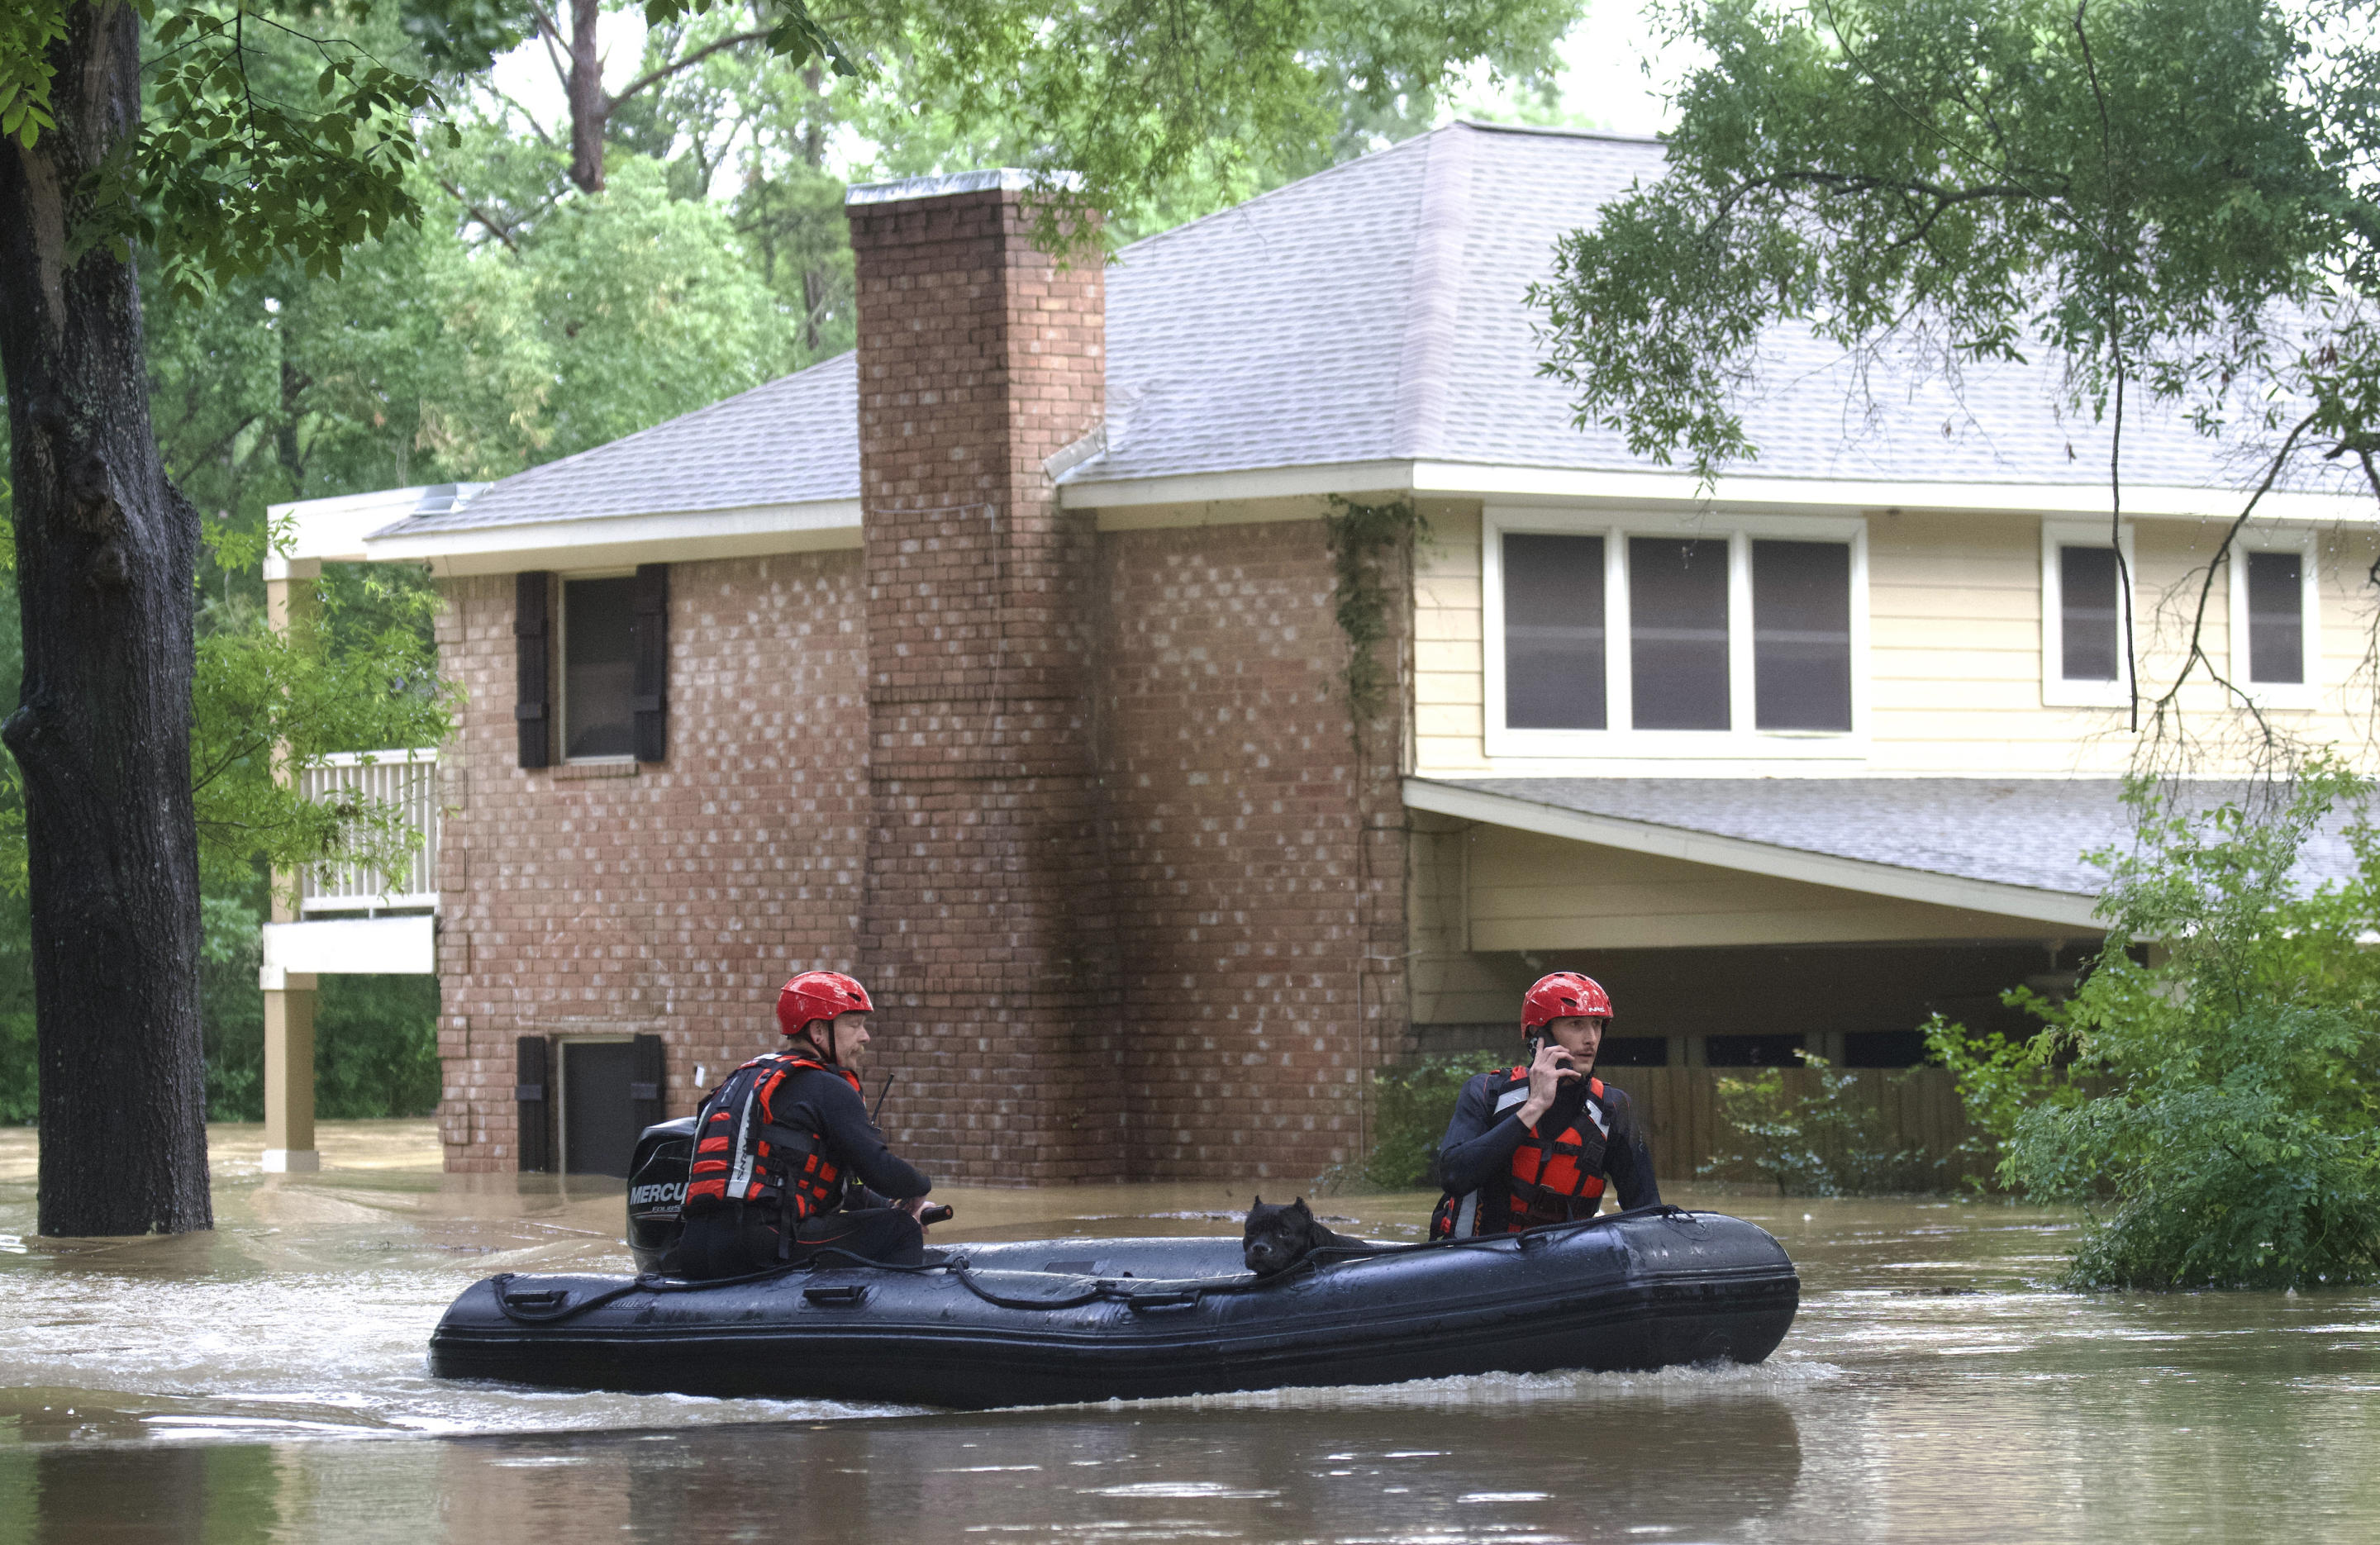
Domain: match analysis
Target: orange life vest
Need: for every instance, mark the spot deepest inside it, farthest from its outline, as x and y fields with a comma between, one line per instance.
x=1554, y=1177
x=743, y=1154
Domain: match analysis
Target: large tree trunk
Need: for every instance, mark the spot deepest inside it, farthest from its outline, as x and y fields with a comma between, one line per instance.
x=105, y=548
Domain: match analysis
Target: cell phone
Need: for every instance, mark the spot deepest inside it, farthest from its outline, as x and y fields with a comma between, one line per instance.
x=938, y=1212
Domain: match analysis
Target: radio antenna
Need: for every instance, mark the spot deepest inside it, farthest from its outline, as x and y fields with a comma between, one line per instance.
x=879, y=1096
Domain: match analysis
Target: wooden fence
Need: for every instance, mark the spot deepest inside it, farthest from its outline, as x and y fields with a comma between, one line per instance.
x=1679, y=1107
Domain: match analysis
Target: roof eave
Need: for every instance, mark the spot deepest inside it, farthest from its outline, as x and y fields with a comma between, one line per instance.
x=2057, y=909
x=675, y=537
x=1086, y=489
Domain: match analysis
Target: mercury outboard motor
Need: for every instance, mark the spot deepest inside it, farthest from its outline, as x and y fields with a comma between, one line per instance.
x=656, y=1179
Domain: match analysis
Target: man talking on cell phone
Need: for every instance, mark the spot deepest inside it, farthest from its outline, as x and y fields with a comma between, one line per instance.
x=778, y=1144
x=1535, y=1143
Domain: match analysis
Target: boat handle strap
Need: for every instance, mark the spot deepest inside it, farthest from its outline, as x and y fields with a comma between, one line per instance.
x=842, y=1293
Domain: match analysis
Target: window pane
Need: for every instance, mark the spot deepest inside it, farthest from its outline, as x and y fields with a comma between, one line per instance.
x=1802, y=635
x=599, y=667
x=2275, y=617
x=1751, y=1051
x=1677, y=633
x=2087, y=617
x=1553, y=632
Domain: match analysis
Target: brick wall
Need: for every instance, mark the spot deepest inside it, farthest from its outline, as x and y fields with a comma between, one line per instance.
x=673, y=900
x=1258, y=858
x=985, y=928
x=1084, y=811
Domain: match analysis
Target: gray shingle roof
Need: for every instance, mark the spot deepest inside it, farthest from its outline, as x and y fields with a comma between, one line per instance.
x=1373, y=312
x=2030, y=832
x=791, y=441
x=1377, y=311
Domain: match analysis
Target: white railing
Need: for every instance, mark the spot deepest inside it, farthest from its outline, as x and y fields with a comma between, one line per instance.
x=405, y=777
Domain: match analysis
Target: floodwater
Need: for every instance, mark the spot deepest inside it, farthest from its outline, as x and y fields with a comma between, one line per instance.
x=266, y=1382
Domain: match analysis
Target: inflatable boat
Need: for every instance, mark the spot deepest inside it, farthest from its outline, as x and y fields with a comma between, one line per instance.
x=1047, y=1322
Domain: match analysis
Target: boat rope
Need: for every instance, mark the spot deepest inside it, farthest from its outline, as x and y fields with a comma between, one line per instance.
x=551, y=1305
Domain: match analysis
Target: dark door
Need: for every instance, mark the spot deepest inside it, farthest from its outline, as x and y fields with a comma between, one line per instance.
x=599, y=1119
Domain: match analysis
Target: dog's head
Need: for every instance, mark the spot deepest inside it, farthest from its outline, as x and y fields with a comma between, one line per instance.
x=1277, y=1237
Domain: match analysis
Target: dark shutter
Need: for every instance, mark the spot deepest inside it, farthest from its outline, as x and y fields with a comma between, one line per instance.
x=648, y=1078
x=531, y=1095
x=652, y=662
x=533, y=643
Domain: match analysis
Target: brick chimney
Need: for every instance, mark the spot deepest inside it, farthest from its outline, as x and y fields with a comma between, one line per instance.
x=986, y=929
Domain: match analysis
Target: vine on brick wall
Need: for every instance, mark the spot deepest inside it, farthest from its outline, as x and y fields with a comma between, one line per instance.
x=1360, y=536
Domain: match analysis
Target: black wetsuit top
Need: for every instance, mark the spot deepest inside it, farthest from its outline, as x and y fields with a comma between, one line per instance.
x=1479, y=1146
x=814, y=1100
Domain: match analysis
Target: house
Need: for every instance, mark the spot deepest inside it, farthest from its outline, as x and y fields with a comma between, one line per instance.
x=1000, y=663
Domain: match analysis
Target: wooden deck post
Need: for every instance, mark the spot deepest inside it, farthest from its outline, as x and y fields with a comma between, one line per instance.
x=288, y=996
x=289, y=1072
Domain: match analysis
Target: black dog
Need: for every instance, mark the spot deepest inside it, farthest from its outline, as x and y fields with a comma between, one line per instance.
x=1279, y=1237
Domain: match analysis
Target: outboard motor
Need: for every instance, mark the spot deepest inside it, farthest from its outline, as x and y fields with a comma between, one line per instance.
x=657, y=1179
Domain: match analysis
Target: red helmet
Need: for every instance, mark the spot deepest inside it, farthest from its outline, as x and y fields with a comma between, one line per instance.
x=818, y=995
x=1563, y=996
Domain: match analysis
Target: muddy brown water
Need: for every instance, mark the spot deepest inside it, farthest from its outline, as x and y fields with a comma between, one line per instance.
x=266, y=1382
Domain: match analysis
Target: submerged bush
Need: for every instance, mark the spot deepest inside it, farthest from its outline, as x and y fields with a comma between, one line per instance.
x=1410, y=1106
x=2211, y=1105
x=1830, y=1141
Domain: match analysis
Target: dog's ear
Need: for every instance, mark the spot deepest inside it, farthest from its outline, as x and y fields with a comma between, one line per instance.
x=1255, y=1202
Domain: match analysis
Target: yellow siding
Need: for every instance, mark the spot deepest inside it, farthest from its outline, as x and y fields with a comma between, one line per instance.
x=1954, y=653
x=1530, y=892
x=1448, y=983
x=1450, y=726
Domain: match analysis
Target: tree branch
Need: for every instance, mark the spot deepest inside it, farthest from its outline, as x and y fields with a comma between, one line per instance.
x=705, y=51
x=548, y=32
x=496, y=228
x=527, y=117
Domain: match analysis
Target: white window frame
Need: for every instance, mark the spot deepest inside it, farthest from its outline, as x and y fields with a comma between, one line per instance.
x=561, y=666
x=1619, y=739
x=2057, y=691
x=2285, y=695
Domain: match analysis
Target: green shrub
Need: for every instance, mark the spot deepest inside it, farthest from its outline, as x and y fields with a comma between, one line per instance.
x=231, y=1006
x=1410, y=1106
x=2214, y=1111
x=376, y=1047
x=19, y=1094
x=1830, y=1141
x=18, y=1103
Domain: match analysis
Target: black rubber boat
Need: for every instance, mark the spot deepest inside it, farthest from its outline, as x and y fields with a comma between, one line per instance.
x=1043, y=1322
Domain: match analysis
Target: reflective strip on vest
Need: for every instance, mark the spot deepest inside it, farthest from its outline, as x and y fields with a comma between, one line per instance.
x=739, y=1180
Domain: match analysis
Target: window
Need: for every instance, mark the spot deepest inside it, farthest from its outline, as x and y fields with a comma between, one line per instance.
x=1751, y=1051
x=2276, y=618
x=1802, y=635
x=599, y=667
x=1677, y=633
x=2092, y=622
x=2086, y=614
x=1553, y=632
x=1742, y=638
x=2276, y=653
